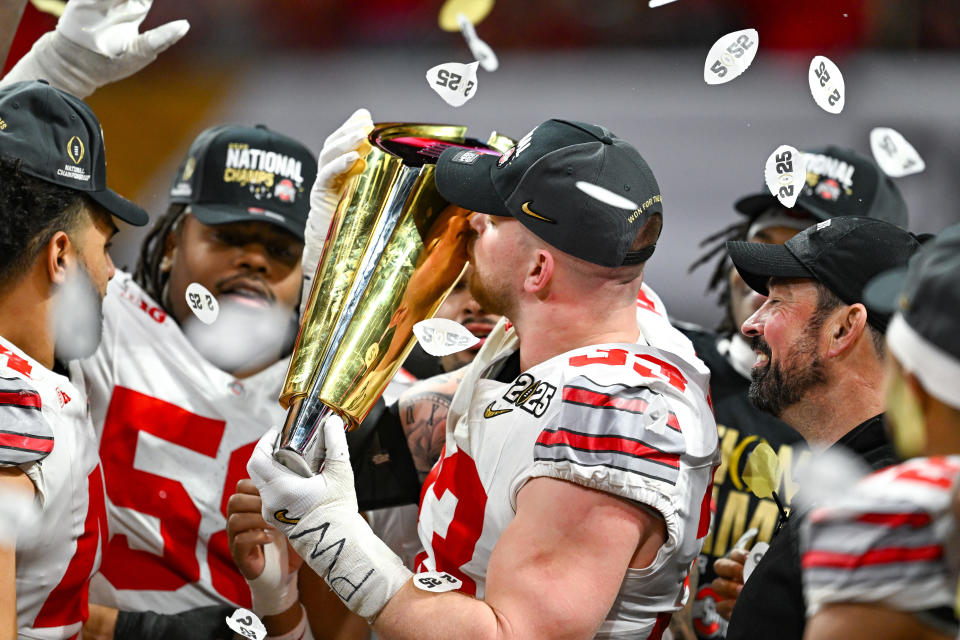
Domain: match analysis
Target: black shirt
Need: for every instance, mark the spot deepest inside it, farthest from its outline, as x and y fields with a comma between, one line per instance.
x=771, y=604
x=741, y=427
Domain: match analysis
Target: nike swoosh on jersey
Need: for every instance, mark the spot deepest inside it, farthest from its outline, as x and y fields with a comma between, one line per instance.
x=490, y=412
x=525, y=207
x=281, y=516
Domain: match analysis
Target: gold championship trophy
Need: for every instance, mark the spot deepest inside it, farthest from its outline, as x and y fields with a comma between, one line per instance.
x=394, y=251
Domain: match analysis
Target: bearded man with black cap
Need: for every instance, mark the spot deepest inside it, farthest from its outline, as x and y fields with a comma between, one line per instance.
x=819, y=368
x=57, y=215
x=839, y=182
x=573, y=493
x=876, y=560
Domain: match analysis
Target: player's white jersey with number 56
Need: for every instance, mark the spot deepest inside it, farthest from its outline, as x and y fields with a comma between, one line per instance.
x=175, y=436
x=627, y=419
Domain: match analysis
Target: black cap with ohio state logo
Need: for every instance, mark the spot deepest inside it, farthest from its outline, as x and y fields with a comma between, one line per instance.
x=234, y=173
x=840, y=182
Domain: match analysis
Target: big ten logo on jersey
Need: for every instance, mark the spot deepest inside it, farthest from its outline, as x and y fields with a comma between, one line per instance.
x=741, y=510
x=156, y=313
x=645, y=364
x=533, y=396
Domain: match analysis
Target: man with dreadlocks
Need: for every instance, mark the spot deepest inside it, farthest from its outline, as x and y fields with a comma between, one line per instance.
x=840, y=182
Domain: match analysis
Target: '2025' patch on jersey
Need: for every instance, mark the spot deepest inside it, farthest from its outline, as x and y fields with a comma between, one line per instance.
x=531, y=395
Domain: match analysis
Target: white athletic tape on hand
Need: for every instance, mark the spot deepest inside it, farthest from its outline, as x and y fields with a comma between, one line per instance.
x=441, y=337
x=826, y=84
x=203, y=303
x=436, y=581
x=247, y=624
x=481, y=51
x=785, y=174
x=455, y=82
x=894, y=154
x=606, y=196
x=275, y=589
x=730, y=56
x=753, y=558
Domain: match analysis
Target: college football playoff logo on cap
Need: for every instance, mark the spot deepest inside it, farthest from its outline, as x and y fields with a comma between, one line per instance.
x=189, y=168
x=75, y=149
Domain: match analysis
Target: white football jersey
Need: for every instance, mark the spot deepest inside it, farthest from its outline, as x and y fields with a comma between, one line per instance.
x=632, y=420
x=45, y=430
x=175, y=436
x=887, y=541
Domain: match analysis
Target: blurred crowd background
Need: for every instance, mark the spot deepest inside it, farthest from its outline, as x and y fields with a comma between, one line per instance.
x=302, y=66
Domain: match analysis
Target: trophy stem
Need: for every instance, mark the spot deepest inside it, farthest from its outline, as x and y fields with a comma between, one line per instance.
x=299, y=435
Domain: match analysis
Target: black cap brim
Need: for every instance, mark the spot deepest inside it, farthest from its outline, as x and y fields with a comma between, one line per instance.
x=755, y=204
x=757, y=262
x=120, y=207
x=214, y=214
x=469, y=185
x=882, y=293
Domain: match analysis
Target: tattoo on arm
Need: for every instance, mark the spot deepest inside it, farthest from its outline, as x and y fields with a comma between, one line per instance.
x=424, y=419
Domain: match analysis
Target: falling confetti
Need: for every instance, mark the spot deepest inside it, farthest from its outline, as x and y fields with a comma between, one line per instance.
x=202, y=303
x=247, y=624
x=753, y=558
x=474, y=10
x=826, y=84
x=606, y=196
x=441, y=337
x=894, y=154
x=454, y=82
x=481, y=51
x=730, y=56
x=785, y=173
x=762, y=473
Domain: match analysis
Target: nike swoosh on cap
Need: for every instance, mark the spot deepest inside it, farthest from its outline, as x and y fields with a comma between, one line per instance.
x=525, y=207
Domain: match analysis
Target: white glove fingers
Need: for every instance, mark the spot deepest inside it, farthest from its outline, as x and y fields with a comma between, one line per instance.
x=163, y=37
x=329, y=173
x=349, y=140
x=335, y=438
x=262, y=466
x=360, y=119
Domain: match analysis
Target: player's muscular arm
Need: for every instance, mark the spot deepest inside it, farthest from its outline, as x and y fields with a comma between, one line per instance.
x=12, y=481
x=423, y=414
x=554, y=573
x=867, y=622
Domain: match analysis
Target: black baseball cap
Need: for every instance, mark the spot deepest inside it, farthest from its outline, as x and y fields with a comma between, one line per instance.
x=234, y=173
x=545, y=181
x=842, y=253
x=58, y=139
x=840, y=182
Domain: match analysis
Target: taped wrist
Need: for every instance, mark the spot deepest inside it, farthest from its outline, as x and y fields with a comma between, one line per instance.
x=299, y=632
x=205, y=623
x=356, y=564
x=274, y=590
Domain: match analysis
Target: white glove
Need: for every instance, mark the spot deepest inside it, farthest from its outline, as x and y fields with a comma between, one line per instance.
x=96, y=42
x=319, y=515
x=339, y=159
x=275, y=589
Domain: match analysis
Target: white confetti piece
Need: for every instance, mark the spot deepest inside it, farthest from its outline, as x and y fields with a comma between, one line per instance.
x=606, y=196
x=826, y=84
x=454, y=82
x=481, y=51
x=653, y=4
x=894, y=154
x=203, y=303
x=730, y=56
x=753, y=558
x=247, y=624
x=743, y=542
x=441, y=337
x=474, y=10
x=785, y=173
x=436, y=581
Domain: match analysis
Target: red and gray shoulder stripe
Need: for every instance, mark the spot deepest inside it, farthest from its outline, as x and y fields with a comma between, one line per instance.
x=25, y=435
x=859, y=553
x=617, y=426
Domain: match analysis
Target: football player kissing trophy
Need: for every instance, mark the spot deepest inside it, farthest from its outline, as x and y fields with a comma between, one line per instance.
x=394, y=251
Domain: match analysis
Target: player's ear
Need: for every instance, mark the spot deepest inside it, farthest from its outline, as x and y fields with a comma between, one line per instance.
x=57, y=255
x=170, y=244
x=846, y=326
x=539, y=273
